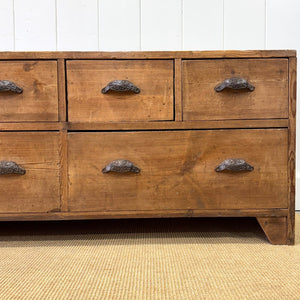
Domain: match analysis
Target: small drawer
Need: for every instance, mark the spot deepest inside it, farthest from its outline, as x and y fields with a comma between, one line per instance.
x=28, y=91
x=178, y=170
x=263, y=94
x=120, y=90
x=29, y=172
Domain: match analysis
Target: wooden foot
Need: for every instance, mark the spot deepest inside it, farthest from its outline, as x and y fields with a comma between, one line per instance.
x=275, y=229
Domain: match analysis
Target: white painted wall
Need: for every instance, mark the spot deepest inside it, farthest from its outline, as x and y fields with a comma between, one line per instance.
x=120, y=25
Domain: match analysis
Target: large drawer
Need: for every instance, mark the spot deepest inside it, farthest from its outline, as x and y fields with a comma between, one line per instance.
x=178, y=170
x=36, y=154
x=269, y=99
x=152, y=101
x=35, y=98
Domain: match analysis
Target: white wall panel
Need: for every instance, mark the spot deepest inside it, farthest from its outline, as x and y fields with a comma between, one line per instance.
x=35, y=25
x=161, y=24
x=202, y=24
x=119, y=25
x=77, y=25
x=244, y=24
x=6, y=25
x=282, y=32
x=283, y=23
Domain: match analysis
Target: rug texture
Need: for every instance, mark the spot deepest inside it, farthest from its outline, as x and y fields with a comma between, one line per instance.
x=146, y=259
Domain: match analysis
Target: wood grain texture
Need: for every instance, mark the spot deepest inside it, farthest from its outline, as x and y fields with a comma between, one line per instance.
x=32, y=126
x=178, y=170
x=177, y=158
x=73, y=126
x=63, y=152
x=275, y=229
x=208, y=124
x=268, y=100
x=38, y=189
x=292, y=149
x=86, y=103
x=178, y=89
x=61, y=85
x=38, y=102
x=168, y=213
x=150, y=54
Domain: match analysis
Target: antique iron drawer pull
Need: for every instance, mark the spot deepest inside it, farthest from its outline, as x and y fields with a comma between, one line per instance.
x=121, y=86
x=10, y=167
x=235, y=165
x=235, y=83
x=9, y=86
x=121, y=166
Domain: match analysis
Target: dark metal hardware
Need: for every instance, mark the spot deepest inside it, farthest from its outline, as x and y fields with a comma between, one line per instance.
x=235, y=165
x=235, y=83
x=9, y=86
x=121, y=166
x=121, y=86
x=10, y=167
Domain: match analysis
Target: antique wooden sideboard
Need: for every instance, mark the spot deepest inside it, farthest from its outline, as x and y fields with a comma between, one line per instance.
x=87, y=135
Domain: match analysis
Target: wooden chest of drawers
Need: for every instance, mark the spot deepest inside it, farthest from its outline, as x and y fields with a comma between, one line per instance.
x=149, y=134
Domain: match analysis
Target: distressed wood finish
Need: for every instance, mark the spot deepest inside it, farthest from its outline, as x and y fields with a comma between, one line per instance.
x=177, y=130
x=38, y=189
x=268, y=100
x=166, y=213
x=62, y=101
x=292, y=149
x=178, y=170
x=64, y=184
x=38, y=102
x=88, y=104
x=275, y=229
x=178, y=89
x=149, y=54
x=73, y=126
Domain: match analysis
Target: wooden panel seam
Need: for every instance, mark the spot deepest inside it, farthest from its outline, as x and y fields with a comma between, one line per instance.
x=178, y=90
x=61, y=85
x=63, y=150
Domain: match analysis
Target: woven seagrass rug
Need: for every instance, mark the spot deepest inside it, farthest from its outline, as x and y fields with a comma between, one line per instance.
x=146, y=259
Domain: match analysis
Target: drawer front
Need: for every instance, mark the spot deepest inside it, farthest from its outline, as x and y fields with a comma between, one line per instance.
x=152, y=101
x=177, y=170
x=38, y=189
x=38, y=100
x=269, y=99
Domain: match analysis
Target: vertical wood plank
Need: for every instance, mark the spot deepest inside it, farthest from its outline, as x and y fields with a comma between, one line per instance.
x=292, y=147
x=77, y=25
x=7, y=26
x=63, y=170
x=178, y=90
x=119, y=25
x=202, y=25
x=61, y=81
x=282, y=31
x=161, y=25
x=244, y=24
x=35, y=25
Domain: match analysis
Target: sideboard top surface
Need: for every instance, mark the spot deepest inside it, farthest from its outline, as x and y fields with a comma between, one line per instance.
x=149, y=54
